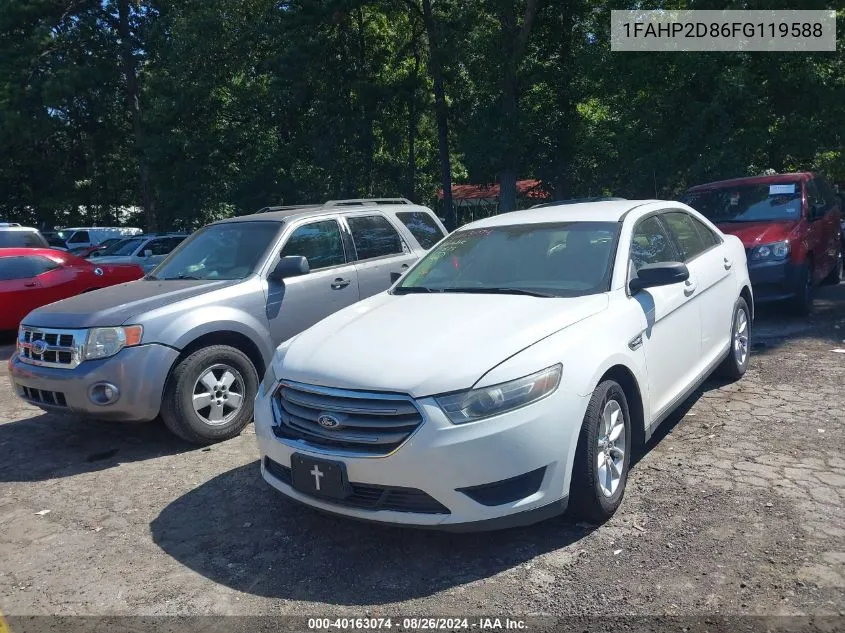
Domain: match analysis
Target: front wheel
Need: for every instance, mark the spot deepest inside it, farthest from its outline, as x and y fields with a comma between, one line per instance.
x=802, y=302
x=835, y=275
x=736, y=362
x=603, y=455
x=209, y=397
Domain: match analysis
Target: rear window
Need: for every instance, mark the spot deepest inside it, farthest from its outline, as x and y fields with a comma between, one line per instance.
x=422, y=226
x=748, y=203
x=24, y=267
x=22, y=239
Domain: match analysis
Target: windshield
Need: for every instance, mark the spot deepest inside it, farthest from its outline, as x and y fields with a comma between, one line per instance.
x=748, y=203
x=558, y=260
x=231, y=250
x=122, y=248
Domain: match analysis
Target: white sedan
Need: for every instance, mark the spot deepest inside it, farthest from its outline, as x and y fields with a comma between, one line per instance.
x=511, y=372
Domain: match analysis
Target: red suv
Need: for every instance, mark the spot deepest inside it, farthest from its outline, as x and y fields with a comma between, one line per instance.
x=789, y=224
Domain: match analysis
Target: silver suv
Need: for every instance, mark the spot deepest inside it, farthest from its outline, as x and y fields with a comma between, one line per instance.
x=191, y=340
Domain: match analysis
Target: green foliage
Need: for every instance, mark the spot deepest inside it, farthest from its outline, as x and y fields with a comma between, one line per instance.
x=248, y=103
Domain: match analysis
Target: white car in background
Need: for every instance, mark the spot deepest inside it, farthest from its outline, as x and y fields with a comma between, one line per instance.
x=511, y=371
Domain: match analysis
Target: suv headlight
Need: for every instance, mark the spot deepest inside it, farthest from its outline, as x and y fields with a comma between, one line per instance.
x=269, y=381
x=773, y=251
x=475, y=404
x=103, y=342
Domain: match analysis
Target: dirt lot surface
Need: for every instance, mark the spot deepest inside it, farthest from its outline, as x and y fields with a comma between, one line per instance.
x=738, y=506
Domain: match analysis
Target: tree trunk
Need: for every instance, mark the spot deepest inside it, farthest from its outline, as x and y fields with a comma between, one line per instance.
x=366, y=110
x=411, y=175
x=441, y=113
x=514, y=50
x=134, y=105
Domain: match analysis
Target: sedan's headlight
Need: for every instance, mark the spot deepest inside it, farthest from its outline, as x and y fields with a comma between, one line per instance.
x=103, y=342
x=773, y=251
x=269, y=381
x=475, y=404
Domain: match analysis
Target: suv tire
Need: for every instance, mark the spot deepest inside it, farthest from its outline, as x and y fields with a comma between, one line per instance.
x=835, y=275
x=736, y=362
x=209, y=396
x=802, y=302
x=604, y=452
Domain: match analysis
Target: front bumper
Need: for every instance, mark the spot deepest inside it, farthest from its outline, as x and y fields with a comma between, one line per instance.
x=440, y=459
x=138, y=372
x=774, y=281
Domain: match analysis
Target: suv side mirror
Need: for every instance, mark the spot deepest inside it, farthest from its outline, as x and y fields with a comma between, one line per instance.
x=660, y=274
x=817, y=210
x=290, y=266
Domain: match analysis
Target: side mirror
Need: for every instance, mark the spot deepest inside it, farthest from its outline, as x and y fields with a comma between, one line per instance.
x=394, y=277
x=660, y=274
x=817, y=211
x=290, y=266
x=148, y=253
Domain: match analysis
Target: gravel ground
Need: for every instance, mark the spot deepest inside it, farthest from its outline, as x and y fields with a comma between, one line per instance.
x=736, y=508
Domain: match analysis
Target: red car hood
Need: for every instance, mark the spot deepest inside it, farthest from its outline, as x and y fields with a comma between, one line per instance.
x=754, y=233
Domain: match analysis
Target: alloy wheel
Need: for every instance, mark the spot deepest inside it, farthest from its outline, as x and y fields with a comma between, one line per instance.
x=218, y=394
x=611, y=443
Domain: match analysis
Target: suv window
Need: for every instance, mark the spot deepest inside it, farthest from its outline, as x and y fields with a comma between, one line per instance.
x=687, y=237
x=320, y=242
x=162, y=246
x=650, y=244
x=422, y=226
x=25, y=267
x=22, y=239
x=374, y=236
x=79, y=236
x=826, y=192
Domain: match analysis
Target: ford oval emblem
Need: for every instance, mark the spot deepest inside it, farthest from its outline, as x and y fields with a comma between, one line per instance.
x=39, y=346
x=328, y=421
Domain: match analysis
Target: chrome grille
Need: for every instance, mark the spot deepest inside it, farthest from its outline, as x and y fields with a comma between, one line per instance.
x=369, y=423
x=51, y=348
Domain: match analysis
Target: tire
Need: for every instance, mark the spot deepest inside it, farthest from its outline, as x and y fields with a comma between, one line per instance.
x=835, y=275
x=802, y=302
x=204, y=374
x=589, y=488
x=736, y=362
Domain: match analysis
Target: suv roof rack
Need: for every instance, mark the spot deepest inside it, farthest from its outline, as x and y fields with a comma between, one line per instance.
x=357, y=202
x=288, y=207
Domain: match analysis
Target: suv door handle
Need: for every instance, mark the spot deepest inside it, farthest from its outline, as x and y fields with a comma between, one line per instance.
x=728, y=264
x=30, y=284
x=339, y=283
x=689, y=287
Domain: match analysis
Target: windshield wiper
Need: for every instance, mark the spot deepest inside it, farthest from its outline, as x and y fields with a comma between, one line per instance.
x=498, y=291
x=180, y=277
x=406, y=290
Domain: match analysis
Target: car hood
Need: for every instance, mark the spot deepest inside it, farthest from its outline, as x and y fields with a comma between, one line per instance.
x=425, y=344
x=119, y=304
x=754, y=233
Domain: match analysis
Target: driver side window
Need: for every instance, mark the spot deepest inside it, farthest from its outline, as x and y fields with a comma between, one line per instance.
x=320, y=242
x=650, y=244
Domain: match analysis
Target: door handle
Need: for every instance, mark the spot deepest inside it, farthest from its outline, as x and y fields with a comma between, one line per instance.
x=339, y=283
x=689, y=287
x=728, y=264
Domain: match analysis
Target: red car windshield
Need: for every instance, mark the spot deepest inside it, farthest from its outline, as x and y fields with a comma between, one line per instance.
x=748, y=203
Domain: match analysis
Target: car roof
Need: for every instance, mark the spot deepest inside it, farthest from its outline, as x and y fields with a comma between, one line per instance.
x=607, y=211
x=341, y=207
x=24, y=229
x=28, y=252
x=798, y=176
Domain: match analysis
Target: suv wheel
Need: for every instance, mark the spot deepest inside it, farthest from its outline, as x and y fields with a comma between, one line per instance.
x=603, y=455
x=209, y=398
x=835, y=275
x=802, y=302
x=736, y=362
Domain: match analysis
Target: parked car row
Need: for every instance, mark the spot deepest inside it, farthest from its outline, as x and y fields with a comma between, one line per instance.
x=508, y=371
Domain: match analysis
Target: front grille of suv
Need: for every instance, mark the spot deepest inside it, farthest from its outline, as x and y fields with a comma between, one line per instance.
x=364, y=423
x=51, y=348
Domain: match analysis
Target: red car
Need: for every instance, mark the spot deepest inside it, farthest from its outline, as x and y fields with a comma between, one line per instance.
x=790, y=226
x=33, y=277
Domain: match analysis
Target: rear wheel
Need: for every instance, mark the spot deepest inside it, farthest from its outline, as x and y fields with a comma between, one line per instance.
x=736, y=362
x=209, y=397
x=802, y=302
x=603, y=455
